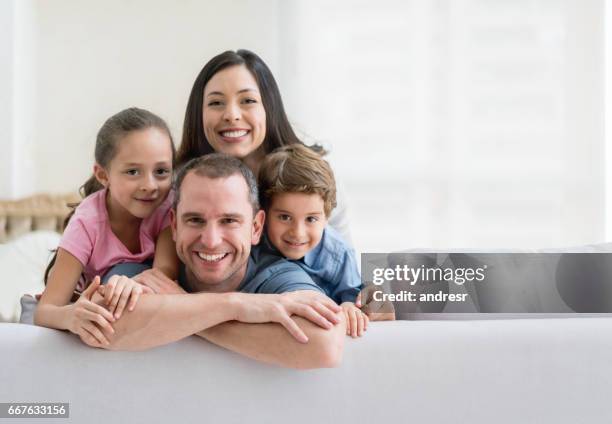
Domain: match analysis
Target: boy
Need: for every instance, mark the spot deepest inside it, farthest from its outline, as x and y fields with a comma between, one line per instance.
x=298, y=192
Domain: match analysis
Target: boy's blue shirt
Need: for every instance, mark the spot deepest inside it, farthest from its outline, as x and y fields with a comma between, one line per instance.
x=331, y=265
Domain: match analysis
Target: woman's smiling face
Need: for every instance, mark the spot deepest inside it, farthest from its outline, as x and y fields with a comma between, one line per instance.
x=233, y=114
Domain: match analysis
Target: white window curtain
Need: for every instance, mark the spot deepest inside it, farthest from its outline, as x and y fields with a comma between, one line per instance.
x=455, y=123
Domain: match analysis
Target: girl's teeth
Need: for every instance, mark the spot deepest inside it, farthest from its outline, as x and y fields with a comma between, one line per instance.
x=234, y=134
x=211, y=258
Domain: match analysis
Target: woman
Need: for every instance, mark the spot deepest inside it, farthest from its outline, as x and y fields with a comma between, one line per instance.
x=235, y=107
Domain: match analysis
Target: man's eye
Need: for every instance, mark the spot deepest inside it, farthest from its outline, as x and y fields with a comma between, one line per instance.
x=195, y=221
x=132, y=172
x=229, y=220
x=284, y=217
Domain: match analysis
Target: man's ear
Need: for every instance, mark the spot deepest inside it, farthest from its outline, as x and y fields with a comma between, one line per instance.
x=173, y=223
x=258, y=225
x=101, y=175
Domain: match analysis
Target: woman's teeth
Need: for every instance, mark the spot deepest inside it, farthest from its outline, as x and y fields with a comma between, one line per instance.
x=212, y=258
x=234, y=134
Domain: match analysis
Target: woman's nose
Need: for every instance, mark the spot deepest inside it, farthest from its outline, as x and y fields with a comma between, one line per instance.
x=231, y=113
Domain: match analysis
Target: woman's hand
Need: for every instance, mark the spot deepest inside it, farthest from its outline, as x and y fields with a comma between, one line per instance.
x=91, y=322
x=118, y=291
x=356, y=321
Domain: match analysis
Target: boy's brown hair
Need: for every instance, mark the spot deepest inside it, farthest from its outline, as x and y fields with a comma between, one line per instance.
x=296, y=169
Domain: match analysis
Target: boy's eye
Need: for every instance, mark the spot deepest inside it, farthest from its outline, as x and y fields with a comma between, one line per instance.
x=284, y=217
x=312, y=219
x=132, y=172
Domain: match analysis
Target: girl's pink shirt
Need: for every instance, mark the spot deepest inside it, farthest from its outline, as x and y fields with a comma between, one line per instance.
x=89, y=238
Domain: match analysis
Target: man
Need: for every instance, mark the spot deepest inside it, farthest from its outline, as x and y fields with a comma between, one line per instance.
x=215, y=221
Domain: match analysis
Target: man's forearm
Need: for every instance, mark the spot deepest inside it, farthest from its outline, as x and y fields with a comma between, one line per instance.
x=162, y=319
x=271, y=343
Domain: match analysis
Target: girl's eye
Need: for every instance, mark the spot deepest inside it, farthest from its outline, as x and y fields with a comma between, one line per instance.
x=312, y=219
x=132, y=172
x=162, y=172
x=284, y=217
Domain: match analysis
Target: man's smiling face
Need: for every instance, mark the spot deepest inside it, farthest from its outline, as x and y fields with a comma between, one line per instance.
x=214, y=227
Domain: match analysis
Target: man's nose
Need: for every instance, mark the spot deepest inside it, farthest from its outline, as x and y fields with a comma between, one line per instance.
x=210, y=236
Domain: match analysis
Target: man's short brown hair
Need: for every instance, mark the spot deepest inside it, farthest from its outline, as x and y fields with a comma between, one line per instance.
x=296, y=169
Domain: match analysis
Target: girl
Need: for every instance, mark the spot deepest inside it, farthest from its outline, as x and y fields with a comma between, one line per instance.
x=124, y=219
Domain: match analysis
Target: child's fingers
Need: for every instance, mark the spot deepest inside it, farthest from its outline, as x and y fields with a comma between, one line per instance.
x=353, y=323
x=358, y=300
x=119, y=287
x=360, y=323
x=99, y=320
x=123, y=300
x=366, y=321
x=90, y=306
x=109, y=289
x=134, y=299
x=95, y=331
x=92, y=288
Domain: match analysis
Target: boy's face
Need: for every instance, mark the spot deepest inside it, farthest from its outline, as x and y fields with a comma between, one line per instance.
x=295, y=223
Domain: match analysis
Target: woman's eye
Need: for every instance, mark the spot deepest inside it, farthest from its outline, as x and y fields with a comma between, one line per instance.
x=214, y=103
x=250, y=101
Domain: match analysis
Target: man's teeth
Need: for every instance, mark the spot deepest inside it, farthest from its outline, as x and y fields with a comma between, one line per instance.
x=212, y=258
x=234, y=134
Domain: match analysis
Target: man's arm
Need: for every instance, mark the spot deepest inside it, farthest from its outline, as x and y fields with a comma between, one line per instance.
x=272, y=344
x=162, y=319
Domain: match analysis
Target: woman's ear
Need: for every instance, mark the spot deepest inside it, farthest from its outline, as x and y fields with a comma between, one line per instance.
x=101, y=175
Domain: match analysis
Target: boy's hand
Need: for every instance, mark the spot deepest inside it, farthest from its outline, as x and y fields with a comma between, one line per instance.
x=356, y=321
x=91, y=322
x=118, y=291
x=375, y=310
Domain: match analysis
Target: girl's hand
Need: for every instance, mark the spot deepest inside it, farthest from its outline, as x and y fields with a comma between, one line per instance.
x=118, y=290
x=356, y=321
x=91, y=322
x=157, y=281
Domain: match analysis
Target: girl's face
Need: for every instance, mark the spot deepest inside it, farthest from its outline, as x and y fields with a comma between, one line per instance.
x=140, y=174
x=233, y=114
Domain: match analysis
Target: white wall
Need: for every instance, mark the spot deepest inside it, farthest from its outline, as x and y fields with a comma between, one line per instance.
x=79, y=62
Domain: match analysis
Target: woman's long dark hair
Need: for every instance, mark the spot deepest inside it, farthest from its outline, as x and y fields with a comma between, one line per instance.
x=278, y=129
x=107, y=140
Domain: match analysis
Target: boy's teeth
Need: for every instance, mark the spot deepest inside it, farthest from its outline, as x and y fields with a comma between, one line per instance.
x=211, y=258
x=234, y=134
